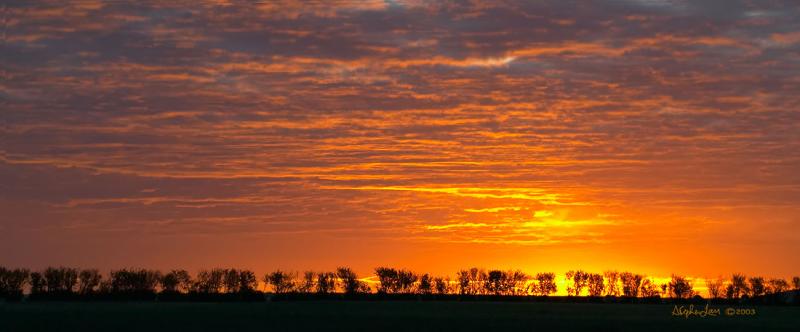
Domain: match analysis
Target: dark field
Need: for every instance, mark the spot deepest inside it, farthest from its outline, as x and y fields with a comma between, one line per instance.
x=378, y=316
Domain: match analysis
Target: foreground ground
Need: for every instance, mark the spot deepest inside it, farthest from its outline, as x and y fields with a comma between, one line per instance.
x=379, y=316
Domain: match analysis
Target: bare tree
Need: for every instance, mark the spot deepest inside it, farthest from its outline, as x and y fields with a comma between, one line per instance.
x=796, y=283
x=387, y=280
x=630, y=284
x=392, y=280
x=737, y=287
x=405, y=281
x=13, y=281
x=282, y=282
x=517, y=282
x=176, y=281
x=648, y=289
x=714, y=288
x=471, y=282
x=680, y=287
x=326, y=282
x=230, y=280
x=545, y=284
x=579, y=279
x=247, y=281
x=61, y=279
x=88, y=281
x=477, y=278
x=464, y=282
x=350, y=282
x=425, y=286
x=757, y=287
x=307, y=286
x=777, y=286
x=134, y=281
x=441, y=285
x=612, y=283
x=38, y=284
x=494, y=282
x=209, y=282
x=596, y=285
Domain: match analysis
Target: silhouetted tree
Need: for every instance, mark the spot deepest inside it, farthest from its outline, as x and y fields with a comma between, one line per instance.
x=282, y=282
x=239, y=281
x=470, y=282
x=326, y=282
x=176, y=281
x=714, y=288
x=680, y=288
x=796, y=283
x=612, y=283
x=387, y=280
x=406, y=280
x=88, y=281
x=209, y=282
x=737, y=287
x=60, y=280
x=350, y=282
x=391, y=280
x=545, y=284
x=307, y=285
x=596, y=285
x=247, y=281
x=757, y=287
x=134, y=281
x=441, y=285
x=494, y=282
x=38, y=284
x=477, y=279
x=425, y=286
x=777, y=286
x=579, y=280
x=630, y=283
x=517, y=282
x=230, y=280
x=12, y=282
x=648, y=289
x=463, y=282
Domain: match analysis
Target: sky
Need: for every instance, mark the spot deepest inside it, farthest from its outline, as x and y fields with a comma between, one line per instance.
x=652, y=136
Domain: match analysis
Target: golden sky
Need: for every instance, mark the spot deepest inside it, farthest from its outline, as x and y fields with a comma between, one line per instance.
x=653, y=136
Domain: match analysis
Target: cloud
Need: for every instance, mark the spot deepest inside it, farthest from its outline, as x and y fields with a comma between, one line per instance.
x=389, y=118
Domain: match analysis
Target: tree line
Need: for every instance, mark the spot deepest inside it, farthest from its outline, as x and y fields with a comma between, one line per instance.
x=65, y=281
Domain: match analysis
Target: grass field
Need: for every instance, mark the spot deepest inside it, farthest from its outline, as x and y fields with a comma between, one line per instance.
x=378, y=316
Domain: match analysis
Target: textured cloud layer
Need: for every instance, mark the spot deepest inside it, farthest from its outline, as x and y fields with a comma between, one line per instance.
x=640, y=131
